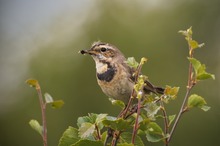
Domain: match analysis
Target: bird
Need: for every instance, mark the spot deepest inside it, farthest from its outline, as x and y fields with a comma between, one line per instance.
x=114, y=75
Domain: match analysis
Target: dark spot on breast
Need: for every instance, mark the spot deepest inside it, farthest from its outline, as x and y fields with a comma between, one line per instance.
x=108, y=75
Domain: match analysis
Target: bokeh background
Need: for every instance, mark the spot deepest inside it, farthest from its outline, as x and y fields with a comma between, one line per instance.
x=41, y=39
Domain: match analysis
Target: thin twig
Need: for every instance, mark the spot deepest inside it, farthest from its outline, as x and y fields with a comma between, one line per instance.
x=190, y=85
x=136, y=121
x=115, y=138
x=98, y=132
x=166, y=124
x=124, y=115
x=124, y=112
x=179, y=114
x=43, y=109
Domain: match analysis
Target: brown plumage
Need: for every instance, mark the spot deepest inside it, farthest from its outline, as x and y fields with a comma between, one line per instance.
x=113, y=74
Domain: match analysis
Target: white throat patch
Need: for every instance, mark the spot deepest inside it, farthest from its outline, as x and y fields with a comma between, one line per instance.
x=101, y=67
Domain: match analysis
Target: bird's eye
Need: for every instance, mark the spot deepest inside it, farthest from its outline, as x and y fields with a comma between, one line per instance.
x=103, y=49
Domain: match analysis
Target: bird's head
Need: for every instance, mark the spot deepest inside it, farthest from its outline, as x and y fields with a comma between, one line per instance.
x=104, y=52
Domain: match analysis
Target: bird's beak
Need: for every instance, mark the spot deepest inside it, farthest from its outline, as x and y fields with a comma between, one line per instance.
x=90, y=52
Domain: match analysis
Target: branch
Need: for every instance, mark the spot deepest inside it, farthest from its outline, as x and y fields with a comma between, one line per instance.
x=98, y=132
x=190, y=85
x=43, y=109
x=136, y=121
x=166, y=126
x=137, y=73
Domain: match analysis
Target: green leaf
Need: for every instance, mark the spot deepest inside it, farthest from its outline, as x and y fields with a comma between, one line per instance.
x=205, y=76
x=187, y=33
x=99, y=119
x=88, y=124
x=86, y=142
x=132, y=62
x=205, y=108
x=86, y=131
x=152, y=109
x=57, y=104
x=200, y=70
x=154, y=132
x=117, y=103
x=126, y=138
x=195, y=63
x=171, y=91
x=138, y=87
x=33, y=83
x=84, y=119
x=193, y=44
x=171, y=119
x=118, y=124
x=197, y=101
x=143, y=124
x=70, y=136
x=48, y=98
x=143, y=60
x=104, y=136
x=36, y=126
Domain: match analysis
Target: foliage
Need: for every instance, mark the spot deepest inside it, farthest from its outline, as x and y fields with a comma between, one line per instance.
x=42, y=130
x=135, y=120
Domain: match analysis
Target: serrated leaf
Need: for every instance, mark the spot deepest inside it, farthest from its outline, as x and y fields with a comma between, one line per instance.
x=171, y=119
x=205, y=75
x=132, y=62
x=111, y=118
x=57, y=104
x=69, y=137
x=171, y=91
x=33, y=83
x=197, y=101
x=117, y=103
x=103, y=137
x=36, y=126
x=118, y=124
x=154, y=132
x=86, y=131
x=48, y=98
x=200, y=70
x=195, y=63
x=86, y=142
x=152, y=109
x=100, y=118
x=84, y=119
x=126, y=138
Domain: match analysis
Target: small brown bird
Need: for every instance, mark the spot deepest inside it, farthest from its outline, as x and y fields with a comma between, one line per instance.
x=114, y=76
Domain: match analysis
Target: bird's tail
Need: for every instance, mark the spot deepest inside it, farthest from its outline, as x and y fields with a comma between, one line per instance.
x=151, y=88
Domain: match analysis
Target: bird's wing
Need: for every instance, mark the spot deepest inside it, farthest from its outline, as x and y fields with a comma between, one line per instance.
x=149, y=87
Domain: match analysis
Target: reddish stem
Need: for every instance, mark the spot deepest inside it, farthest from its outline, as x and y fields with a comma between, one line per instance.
x=43, y=109
x=136, y=121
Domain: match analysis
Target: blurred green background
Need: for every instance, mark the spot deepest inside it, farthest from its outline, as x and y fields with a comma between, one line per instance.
x=41, y=40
